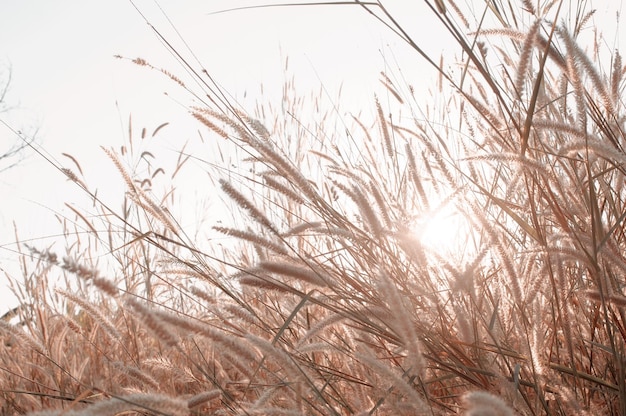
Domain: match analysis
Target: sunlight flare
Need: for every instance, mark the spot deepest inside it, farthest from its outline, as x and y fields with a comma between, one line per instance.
x=445, y=230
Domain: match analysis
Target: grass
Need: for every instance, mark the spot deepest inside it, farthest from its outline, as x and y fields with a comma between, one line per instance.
x=325, y=301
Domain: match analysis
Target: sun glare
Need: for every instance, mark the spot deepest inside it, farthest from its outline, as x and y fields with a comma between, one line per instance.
x=445, y=230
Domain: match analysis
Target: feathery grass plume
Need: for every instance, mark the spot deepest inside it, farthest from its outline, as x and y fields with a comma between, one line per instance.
x=432, y=149
x=503, y=254
x=154, y=323
x=594, y=147
x=318, y=327
x=504, y=32
x=242, y=313
x=244, y=203
x=156, y=211
x=414, y=175
x=72, y=177
x=537, y=339
x=300, y=228
x=212, y=126
x=616, y=77
x=143, y=62
x=567, y=399
x=180, y=321
x=404, y=386
x=91, y=310
x=295, y=375
x=575, y=77
x=516, y=159
x=256, y=126
x=166, y=368
x=365, y=208
x=382, y=205
x=253, y=238
x=238, y=346
x=45, y=255
x=528, y=6
x=263, y=282
x=459, y=14
x=204, y=397
x=441, y=6
x=580, y=23
x=120, y=168
x=136, y=374
x=525, y=57
x=82, y=217
x=485, y=112
x=402, y=324
x=139, y=402
x=466, y=332
x=262, y=402
x=202, y=294
x=308, y=275
x=596, y=79
x=557, y=126
x=481, y=403
x=390, y=87
x=617, y=300
x=286, y=169
x=283, y=189
x=24, y=337
x=106, y=286
x=79, y=270
x=243, y=132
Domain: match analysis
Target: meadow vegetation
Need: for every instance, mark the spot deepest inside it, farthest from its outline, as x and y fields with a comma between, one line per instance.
x=325, y=301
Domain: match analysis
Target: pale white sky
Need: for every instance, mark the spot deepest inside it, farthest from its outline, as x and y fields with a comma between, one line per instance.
x=67, y=84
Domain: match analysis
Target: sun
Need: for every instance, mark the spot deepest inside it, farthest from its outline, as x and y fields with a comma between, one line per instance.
x=445, y=230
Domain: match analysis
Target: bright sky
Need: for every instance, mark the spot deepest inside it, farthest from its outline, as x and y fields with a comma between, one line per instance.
x=67, y=84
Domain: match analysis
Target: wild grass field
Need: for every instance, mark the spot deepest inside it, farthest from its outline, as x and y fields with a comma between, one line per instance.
x=325, y=300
